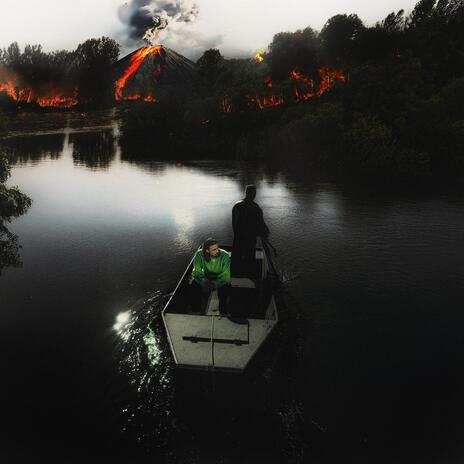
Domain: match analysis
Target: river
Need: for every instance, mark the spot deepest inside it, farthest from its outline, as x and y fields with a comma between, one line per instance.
x=367, y=365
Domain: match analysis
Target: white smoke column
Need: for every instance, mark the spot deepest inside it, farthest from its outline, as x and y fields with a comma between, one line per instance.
x=150, y=16
x=151, y=35
x=181, y=34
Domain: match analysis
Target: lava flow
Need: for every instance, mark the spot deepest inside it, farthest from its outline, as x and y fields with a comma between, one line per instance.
x=135, y=61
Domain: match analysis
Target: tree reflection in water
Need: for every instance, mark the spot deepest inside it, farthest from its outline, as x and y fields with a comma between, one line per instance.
x=13, y=203
x=94, y=150
x=33, y=148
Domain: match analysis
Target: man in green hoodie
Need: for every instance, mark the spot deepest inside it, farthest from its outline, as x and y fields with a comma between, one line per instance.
x=211, y=271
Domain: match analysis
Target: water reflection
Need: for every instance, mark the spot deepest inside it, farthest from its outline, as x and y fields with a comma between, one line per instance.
x=192, y=416
x=369, y=268
x=144, y=360
x=121, y=326
x=36, y=123
x=94, y=150
x=32, y=149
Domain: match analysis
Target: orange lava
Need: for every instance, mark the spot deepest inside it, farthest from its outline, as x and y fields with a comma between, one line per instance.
x=135, y=61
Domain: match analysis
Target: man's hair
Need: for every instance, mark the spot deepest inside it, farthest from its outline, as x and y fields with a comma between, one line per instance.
x=250, y=191
x=205, y=247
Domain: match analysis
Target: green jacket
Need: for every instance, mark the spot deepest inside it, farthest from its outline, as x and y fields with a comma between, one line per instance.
x=217, y=269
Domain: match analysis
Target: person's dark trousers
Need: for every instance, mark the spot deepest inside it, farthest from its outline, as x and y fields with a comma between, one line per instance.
x=198, y=297
x=223, y=295
x=243, y=261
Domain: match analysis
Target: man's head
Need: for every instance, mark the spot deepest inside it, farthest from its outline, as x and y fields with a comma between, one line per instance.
x=250, y=192
x=210, y=248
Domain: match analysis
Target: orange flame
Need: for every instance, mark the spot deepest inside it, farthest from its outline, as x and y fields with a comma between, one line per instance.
x=264, y=102
x=52, y=98
x=9, y=89
x=59, y=100
x=328, y=79
x=304, y=88
x=259, y=56
x=225, y=105
x=135, y=62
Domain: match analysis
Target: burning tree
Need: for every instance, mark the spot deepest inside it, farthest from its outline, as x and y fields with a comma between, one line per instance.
x=59, y=79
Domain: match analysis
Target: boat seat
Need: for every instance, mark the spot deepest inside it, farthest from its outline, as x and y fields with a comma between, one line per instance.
x=242, y=282
x=212, y=307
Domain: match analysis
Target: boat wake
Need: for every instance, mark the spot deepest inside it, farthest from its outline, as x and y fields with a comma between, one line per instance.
x=145, y=363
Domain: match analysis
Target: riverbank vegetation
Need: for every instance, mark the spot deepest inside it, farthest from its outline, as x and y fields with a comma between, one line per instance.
x=13, y=203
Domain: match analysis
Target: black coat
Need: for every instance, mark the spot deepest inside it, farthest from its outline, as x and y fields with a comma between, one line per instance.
x=247, y=221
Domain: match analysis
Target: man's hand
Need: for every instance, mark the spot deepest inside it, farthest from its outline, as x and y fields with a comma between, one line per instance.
x=207, y=284
x=211, y=285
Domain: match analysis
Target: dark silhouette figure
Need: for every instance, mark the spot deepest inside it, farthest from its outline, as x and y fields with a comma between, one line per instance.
x=248, y=224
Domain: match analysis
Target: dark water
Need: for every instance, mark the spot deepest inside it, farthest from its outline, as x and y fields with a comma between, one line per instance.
x=366, y=366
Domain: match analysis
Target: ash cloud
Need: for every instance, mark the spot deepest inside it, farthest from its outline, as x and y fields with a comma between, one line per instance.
x=182, y=32
x=138, y=15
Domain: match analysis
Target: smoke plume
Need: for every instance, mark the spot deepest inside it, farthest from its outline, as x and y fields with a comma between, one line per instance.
x=142, y=15
x=168, y=22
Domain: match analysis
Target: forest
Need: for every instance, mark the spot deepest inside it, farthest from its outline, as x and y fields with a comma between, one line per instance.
x=385, y=99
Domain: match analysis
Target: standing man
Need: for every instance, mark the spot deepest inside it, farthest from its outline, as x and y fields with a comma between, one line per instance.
x=247, y=223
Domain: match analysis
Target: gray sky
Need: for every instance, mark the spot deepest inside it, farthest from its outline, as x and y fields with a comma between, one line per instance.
x=236, y=27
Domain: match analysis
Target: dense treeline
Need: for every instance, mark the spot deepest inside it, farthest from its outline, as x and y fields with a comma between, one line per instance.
x=400, y=110
x=88, y=68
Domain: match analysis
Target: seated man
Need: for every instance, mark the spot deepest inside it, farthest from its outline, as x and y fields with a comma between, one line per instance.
x=211, y=270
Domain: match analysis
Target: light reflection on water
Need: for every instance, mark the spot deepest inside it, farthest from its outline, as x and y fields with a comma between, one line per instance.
x=144, y=360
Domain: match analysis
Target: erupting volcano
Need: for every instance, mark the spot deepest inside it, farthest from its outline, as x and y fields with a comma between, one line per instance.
x=142, y=71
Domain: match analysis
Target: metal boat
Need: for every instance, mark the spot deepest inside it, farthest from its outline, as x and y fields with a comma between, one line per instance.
x=211, y=341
